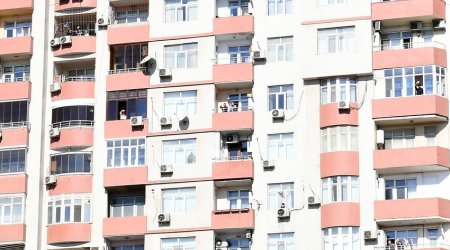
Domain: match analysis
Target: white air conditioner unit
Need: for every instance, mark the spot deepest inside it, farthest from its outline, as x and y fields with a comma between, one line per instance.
x=377, y=26
x=229, y=139
x=268, y=164
x=248, y=235
x=136, y=121
x=55, y=87
x=278, y=113
x=222, y=244
x=284, y=213
x=439, y=24
x=49, y=180
x=165, y=72
x=55, y=42
x=416, y=26
x=164, y=121
x=370, y=235
x=166, y=169
x=313, y=201
x=66, y=40
x=54, y=132
x=102, y=22
x=163, y=218
x=258, y=55
x=380, y=136
x=344, y=105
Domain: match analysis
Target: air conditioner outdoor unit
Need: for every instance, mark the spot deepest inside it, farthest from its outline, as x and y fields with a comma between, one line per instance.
x=165, y=72
x=66, y=40
x=248, y=235
x=55, y=42
x=380, y=136
x=163, y=218
x=54, y=132
x=136, y=121
x=278, y=113
x=166, y=169
x=416, y=26
x=370, y=235
x=229, y=139
x=284, y=213
x=258, y=55
x=439, y=24
x=343, y=105
x=377, y=26
x=164, y=121
x=268, y=164
x=49, y=180
x=102, y=22
x=313, y=201
x=222, y=244
x=55, y=87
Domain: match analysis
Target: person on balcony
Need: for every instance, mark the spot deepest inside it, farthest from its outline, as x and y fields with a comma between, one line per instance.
x=122, y=115
x=223, y=107
x=419, y=88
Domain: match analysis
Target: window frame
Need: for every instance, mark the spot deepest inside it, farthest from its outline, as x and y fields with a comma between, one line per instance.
x=139, y=148
x=275, y=44
x=333, y=41
x=334, y=134
x=25, y=30
x=239, y=199
x=18, y=163
x=337, y=235
x=409, y=191
x=178, y=245
x=333, y=186
x=178, y=50
x=331, y=90
x=182, y=6
x=287, y=189
x=284, y=145
x=286, y=91
x=181, y=99
x=285, y=9
x=11, y=205
x=68, y=154
x=85, y=209
x=10, y=74
x=179, y=196
x=137, y=207
x=10, y=117
x=392, y=138
x=137, y=98
x=284, y=240
x=192, y=147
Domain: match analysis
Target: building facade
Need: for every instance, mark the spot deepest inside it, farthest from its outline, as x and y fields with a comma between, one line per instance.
x=224, y=124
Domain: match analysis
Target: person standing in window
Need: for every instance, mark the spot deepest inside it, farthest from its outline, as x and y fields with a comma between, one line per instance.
x=122, y=115
x=419, y=88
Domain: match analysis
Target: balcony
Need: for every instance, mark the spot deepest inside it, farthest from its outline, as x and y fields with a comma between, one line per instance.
x=13, y=184
x=125, y=176
x=79, y=135
x=79, y=45
x=233, y=72
x=135, y=78
x=412, y=211
x=124, y=226
x=233, y=219
x=12, y=233
x=17, y=7
x=437, y=246
x=128, y=33
x=233, y=169
x=69, y=233
x=410, y=10
x=330, y=115
x=340, y=214
x=339, y=163
x=16, y=46
x=72, y=184
x=76, y=87
x=410, y=160
x=403, y=110
x=16, y=135
x=233, y=25
x=233, y=121
x=15, y=90
x=123, y=128
x=61, y=5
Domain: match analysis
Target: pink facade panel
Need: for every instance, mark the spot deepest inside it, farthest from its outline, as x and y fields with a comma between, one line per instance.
x=410, y=106
x=229, y=121
x=339, y=163
x=412, y=208
x=125, y=176
x=340, y=214
x=408, y=9
x=72, y=184
x=409, y=157
x=136, y=33
x=14, y=137
x=409, y=57
x=239, y=169
x=234, y=72
x=71, y=90
x=73, y=137
x=330, y=115
x=79, y=45
x=129, y=80
x=233, y=219
x=14, y=5
x=123, y=128
x=233, y=25
x=16, y=45
x=70, y=4
x=15, y=90
x=12, y=233
x=124, y=226
x=69, y=233
x=13, y=184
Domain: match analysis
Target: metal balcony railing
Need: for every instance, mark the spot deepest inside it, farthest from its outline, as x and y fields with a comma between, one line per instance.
x=227, y=108
x=128, y=70
x=14, y=124
x=73, y=124
x=78, y=79
x=233, y=158
x=397, y=44
x=232, y=59
x=414, y=246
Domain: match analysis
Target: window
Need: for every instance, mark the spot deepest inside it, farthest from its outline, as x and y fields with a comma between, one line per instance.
x=129, y=247
x=397, y=40
x=127, y=206
x=124, y=104
x=69, y=208
x=280, y=146
x=339, y=138
x=125, y=152
x=279, y=7
x=430, y=135
x=12, y=160
x=237, y=102
x=131, y=14
x=281, y=241
x=281, y=97
x=338, y=89
x=399, y=138
x=432, y=236
x=178, y=200
x=17, y=29
x=239, y=199
x=180, y=104
x=238, y=151
x=333, y=2
x=336, y=40
x=186, y=243
x=406, y=237
x=239, y=244
x=180, y=56
x=128, y=57
x=280, y=49
x=70, y=163
x=13, y=112
x=341, y=238
x=280, y=193
x=80, y=75
x=181, y=10
x=402, y=82
x=340, y=188
x=239, y=54
x=239, y=7
x=70, y=116
x=17, y=73
x=400, y=189
x=180, y=152
x=12, y=209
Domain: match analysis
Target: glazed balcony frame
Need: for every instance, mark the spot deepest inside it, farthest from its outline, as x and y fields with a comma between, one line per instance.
x=233, y=219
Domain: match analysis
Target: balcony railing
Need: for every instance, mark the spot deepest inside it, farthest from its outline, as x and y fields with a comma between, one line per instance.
x=14, y=124
x=128, y=70
x=16, y=79
x=233, y=158
x=72, y=124
x=396, y=44
x=226, y=108
x=414, y=246
x=232, y=60
x=78, y=79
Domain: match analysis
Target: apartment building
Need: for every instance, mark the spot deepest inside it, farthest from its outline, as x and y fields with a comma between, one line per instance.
x=224, y=124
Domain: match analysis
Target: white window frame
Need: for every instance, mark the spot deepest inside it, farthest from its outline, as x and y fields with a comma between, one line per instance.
x=184, y=194
x=280, y=241
x=126, y=247
x=280, y=49
x=241, y=7
x=283, y=143
x=341, y=238
x=80, y=75
x=239, y=198
x=280, y=192
x=333, y=2
x=7, y=209
x=286, y=92
x=338, y=89
x=399, y=138
x=182, y=101
x=410, y=191
x=18, y=31
x=128, y=16
x=186, y=146
x=430, y=133
x=336, y=40
x=181, y=53
x=9, y=73
x=138, y=209
x=412, y=240
x=59, y=201
x=281, y=7
x=339, y=138
x=433, y=240
x=340, y=189
x=184, y=8
x=178, y=244
x=241, y=55
x=111, y=149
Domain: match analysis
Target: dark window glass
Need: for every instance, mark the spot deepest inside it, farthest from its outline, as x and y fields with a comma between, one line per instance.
x=134, y=102
x=12, y=161
x=71, y=163
x=73, y=113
